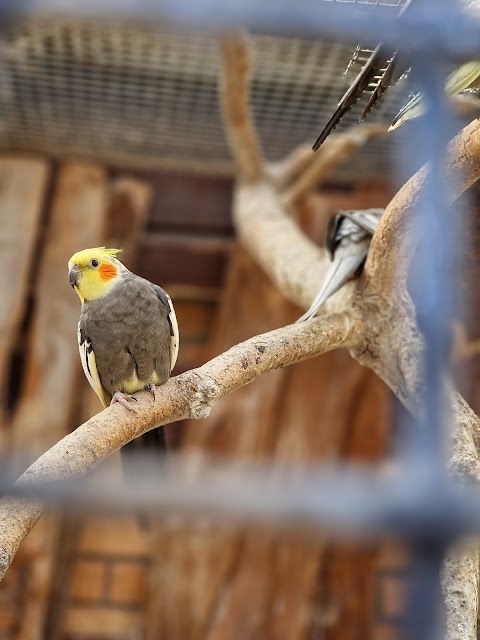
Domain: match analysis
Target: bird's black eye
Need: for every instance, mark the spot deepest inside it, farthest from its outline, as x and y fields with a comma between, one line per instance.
x=94, y=262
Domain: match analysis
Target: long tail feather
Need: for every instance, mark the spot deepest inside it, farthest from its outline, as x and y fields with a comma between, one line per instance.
x=341, y=270
x=152, y=442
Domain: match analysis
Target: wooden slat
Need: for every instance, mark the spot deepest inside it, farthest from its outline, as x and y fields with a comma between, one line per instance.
x=207, y=556
x=197, y=325
x=22, y=187
x=129, y=583
x=130, y=202
x=101, y=536
x=76, y=222
x=102, y=622
x=49, y=395
x=195, y=318
x=192, y=202
x=177, y=259
x=391, y=580
x=88, y=580
x=274, y=591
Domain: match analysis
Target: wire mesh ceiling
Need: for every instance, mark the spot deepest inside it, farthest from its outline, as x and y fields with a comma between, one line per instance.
x=127, y=95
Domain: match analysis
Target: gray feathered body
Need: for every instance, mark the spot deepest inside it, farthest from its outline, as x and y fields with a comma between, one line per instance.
x=130, y=333
x=128, y=341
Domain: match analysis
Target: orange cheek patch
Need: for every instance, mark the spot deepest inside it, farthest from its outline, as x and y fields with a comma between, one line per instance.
x=107, y=272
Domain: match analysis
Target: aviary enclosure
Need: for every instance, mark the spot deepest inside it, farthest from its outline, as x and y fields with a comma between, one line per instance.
x=333, y=497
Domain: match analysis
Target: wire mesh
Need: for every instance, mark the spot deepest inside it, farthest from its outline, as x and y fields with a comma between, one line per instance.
x=135, y=96
x=372, y=5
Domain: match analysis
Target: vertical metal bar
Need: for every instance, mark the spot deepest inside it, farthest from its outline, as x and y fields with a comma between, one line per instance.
x=433, y=301
x=433, y=291
x=426, y=619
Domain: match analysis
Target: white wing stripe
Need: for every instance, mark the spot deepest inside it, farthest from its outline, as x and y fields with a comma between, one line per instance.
x=87, y=356
x=175, y=339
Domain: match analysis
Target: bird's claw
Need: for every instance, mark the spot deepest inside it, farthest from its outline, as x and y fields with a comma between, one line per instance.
x=153, y=390
x=123, y=399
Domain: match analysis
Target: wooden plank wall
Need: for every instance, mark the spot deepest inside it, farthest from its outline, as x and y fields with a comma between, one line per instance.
x=92, y=578
x=242, y=584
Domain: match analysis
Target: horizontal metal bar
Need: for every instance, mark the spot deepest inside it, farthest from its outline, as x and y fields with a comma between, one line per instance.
x=443, y=30
x=345, y=501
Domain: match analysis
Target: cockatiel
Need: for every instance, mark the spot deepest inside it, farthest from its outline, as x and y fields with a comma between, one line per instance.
x=463, y=80
x=382, y=68
x=127, y=333
x=347, y=240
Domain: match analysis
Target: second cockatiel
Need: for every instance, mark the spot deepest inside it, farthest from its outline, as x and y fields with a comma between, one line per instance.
x=347, y=241
x=127, y=333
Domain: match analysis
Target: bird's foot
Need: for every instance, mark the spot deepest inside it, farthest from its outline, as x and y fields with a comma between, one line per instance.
x=153, y=390
x=123, y=399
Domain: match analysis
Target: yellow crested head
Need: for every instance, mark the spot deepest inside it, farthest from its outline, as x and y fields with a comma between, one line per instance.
x=93, y=272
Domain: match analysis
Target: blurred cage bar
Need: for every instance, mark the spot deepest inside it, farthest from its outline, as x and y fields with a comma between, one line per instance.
x=125, y=94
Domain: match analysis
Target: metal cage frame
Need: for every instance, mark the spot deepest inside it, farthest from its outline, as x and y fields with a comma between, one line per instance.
x=420, y=502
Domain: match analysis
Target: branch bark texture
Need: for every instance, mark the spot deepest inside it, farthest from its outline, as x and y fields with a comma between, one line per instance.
x=394, y=243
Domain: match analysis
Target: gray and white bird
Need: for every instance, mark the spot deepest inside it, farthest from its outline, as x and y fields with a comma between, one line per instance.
x=127, y=334
x=347, y=240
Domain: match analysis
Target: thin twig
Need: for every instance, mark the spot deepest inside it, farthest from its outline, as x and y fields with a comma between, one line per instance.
x=332, y=154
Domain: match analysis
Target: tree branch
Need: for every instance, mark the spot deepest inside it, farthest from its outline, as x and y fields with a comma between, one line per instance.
x=293, y=262
x=189, y=395
x=283, y=172
x=337, y=149
x=460, y=582
x=394, y=243
x=238, y=123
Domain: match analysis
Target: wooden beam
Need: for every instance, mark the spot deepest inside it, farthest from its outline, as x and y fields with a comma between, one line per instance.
x=192, y=203
x=130, y=202
x=186, y=259
x=23, y=183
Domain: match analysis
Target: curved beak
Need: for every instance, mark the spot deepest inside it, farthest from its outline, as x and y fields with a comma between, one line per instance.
x=74, y=275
